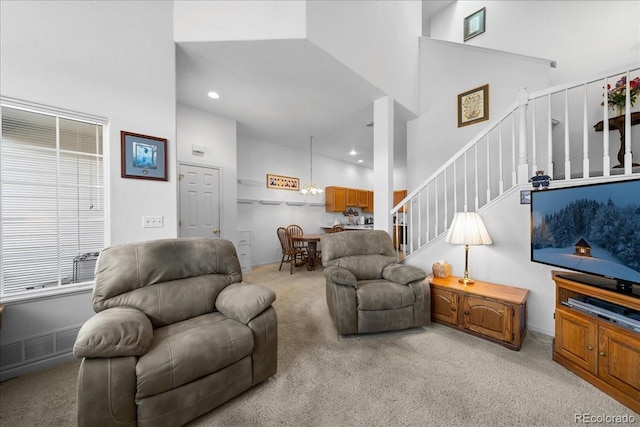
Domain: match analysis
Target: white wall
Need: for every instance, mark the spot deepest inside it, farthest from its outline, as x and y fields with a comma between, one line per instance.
x=258, y=158
x=376, y=39
x=109, y=59
x=584, y=38
x=218, y=137
x=239, y=20
x=506, y=261
x=445, y=72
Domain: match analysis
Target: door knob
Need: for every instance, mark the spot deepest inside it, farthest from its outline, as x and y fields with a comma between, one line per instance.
x=216, y=231
x=453, y=309
x=602, y=354
x=589, y=347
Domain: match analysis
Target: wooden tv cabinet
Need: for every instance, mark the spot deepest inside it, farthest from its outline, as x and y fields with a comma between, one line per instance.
x=599, y=351
x=494, y=312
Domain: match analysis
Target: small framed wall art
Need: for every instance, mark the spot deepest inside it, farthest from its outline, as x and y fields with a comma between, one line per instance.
x=473, y=106
x=282, y=182
x=525, y=197
x=143, y=156
x=474, y=24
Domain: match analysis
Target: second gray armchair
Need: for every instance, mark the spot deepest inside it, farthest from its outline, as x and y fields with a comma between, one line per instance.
x=367, y=290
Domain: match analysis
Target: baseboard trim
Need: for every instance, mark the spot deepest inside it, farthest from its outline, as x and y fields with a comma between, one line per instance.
x=36, y=366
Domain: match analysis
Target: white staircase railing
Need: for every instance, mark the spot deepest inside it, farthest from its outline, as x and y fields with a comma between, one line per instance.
x=511, y=149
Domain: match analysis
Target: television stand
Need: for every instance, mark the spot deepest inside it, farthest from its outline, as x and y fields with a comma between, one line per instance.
x=596, y=349
x=601, y=282
x=627, y=288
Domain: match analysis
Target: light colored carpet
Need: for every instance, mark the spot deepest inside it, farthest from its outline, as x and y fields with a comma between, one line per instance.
x=432, y=376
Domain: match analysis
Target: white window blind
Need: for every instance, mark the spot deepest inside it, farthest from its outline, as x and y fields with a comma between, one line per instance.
x=51, y=201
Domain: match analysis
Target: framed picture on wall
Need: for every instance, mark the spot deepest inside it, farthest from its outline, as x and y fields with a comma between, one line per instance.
x=143, y=156
x=474, y=24
x=473, y=106
x=282, y=182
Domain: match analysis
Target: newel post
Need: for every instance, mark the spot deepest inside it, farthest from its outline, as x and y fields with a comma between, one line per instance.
x=523, y=160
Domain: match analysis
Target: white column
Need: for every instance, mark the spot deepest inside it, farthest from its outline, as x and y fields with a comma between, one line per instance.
x=383, y=163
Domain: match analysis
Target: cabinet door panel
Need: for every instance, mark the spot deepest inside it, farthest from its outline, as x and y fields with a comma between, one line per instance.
x=487, y=317
x=576, y=340
x=444, y=306
x=363, y=199
x=619, y=361
x=352, y=197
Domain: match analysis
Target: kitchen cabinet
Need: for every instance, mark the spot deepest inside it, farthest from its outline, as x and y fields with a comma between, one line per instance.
x=495, y=312
x=597, y=350
x=363, y=199
x=369, y=207
x=398, y=196
x=352, y=197
x=335, y=199
x=399, y=234
x=339, y=199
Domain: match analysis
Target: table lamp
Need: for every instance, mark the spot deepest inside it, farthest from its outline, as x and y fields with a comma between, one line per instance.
x=467, y=229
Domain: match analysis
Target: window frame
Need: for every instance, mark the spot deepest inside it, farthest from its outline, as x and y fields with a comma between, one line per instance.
x=60, y=114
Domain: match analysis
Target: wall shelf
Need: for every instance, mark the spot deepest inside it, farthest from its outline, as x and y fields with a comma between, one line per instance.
x=278, y=202
x=250, y=182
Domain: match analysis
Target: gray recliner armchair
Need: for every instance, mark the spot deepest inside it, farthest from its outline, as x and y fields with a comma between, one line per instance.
x=367, y=290
x=175, y=335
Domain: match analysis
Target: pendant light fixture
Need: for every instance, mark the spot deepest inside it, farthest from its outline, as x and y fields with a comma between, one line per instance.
x=311, y=188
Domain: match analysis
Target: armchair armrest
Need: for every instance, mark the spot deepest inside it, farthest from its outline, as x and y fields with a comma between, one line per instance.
x=243, y=302
x=403, y=273
x=341, y=276
x=114, y=332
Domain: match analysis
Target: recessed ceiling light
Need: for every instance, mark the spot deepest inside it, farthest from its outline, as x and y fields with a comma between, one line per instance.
x=353, y=152
x=360, y=161
x=213, y=95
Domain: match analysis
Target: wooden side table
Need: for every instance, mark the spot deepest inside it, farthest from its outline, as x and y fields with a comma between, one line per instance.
x=488, y=310
x=618, y=123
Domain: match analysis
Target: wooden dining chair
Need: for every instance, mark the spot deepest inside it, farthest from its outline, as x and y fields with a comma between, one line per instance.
x=336, y=229
x=296, y=230
x=290, y=252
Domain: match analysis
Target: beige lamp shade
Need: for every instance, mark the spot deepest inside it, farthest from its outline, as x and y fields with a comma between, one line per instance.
x=467, y=228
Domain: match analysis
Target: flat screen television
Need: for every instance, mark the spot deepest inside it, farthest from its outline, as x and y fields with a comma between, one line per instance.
x=590, y=229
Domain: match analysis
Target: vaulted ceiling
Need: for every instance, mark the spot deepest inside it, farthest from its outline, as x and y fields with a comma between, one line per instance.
x=284, y=91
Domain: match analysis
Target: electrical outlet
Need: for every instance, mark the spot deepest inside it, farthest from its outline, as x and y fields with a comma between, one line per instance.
x=152, y=221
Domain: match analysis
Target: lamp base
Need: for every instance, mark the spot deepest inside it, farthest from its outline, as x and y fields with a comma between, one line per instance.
x=466, y=281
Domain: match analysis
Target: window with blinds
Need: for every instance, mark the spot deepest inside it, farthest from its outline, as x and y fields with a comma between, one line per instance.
x=51, y=201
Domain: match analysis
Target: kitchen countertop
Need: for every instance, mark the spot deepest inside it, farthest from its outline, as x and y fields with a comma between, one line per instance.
x=351, y=227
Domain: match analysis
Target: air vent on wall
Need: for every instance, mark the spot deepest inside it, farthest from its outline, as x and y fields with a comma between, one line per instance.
x=10, y=354
x=65, y=339
x=37, y=348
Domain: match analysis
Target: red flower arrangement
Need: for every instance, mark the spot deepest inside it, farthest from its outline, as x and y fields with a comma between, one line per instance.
x=616, y=96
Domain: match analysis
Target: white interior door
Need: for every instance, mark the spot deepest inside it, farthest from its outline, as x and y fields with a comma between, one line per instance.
x=199, y=201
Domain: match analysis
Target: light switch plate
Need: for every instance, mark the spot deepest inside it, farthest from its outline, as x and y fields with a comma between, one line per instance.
x=152, y=221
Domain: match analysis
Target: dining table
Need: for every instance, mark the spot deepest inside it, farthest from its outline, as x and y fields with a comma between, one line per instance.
x=311, y=241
